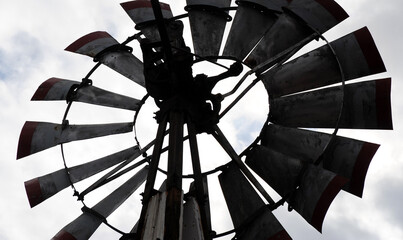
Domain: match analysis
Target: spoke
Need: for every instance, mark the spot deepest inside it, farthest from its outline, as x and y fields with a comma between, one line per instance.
x=219, y=136
x=240, y=96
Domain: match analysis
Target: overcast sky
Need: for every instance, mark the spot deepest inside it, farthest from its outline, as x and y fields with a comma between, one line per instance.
x=33, y=35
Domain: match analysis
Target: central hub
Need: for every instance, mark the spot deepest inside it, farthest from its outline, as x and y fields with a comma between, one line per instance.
x=169, y=80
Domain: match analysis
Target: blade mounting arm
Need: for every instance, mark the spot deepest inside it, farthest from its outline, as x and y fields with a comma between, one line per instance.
x=222, y=140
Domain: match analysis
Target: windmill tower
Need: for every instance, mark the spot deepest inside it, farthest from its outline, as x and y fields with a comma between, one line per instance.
x=306, y=167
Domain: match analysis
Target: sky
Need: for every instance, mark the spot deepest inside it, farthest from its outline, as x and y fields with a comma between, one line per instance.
x=33, y=35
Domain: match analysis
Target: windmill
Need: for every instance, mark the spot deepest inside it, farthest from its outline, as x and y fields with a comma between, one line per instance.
x=306, y=167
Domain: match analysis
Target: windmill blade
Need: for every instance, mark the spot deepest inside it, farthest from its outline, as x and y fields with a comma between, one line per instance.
x=59, y=89
x=257, y=13
x=38, y=136
x=142, y=14
x=85, y=225
x=296, y=25
x=207, y=24
x=366, y=106
x=41, y=188
x=357, y=55
x=349, y=158
x=105, y=49
x=317, y=187
x=251, y=218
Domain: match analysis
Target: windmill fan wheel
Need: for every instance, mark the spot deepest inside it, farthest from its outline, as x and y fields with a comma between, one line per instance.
x=305, y=167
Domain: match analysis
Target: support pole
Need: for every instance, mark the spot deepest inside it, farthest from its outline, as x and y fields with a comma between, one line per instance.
x=198, y=181
x=174, y=203
x=152, y=173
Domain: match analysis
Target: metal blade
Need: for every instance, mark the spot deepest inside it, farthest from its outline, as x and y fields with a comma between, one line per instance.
x=317, y=187
x=92, y=44
x=126, y=64
x=295, y=25
x=99, y=45
x=366, y=106
x=85, y=225
x=41, y=188
x=207, y=24
x=357, y=55
x=142, y=14
x=251, y=218
x=141, y=11
x=59, y=89
x=346, y=157
x=38, y=136
x=259, y=14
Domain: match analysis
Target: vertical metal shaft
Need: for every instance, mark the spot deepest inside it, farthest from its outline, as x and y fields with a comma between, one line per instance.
x=174, y=203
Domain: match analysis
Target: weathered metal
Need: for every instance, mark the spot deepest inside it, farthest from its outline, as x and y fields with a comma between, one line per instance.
x=152, y=173
x=317, y=187
x=221, y=139
x=295, y=25
x=259, y=14
x=104, y=48
x=349, y=158
x=192, y=223
x=356, y=53
x=41, y=188
x=207, y=24
x=38, y=136
x=86, y=224
x=142, y=14
x=62, y=89
x=199, y=186
x=251, y=218
x=174, y=205
x=366, y=106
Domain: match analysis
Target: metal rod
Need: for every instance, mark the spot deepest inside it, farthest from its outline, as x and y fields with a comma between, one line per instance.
x=219, y=136
x=152, y=172
x=174, y=202
x=198, y=180
x=239, y=97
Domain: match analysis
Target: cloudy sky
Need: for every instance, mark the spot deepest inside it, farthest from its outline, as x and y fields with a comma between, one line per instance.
x=33, y=35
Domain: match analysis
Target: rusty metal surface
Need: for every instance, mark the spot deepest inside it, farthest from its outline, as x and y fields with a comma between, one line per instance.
x=141, y=11
x=349, y=158
x=318, y=187
x=38, y=136
x=87, y=223
x=356, y=53
x=291, y=28
x=366, y=106
x=242, y=37
x=248, y=211
x=207, y=27
x=41, y=188
x=58, y=89
x=92, y=44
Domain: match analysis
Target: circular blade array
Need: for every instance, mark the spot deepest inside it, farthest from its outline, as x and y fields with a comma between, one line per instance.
x=306, y=167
